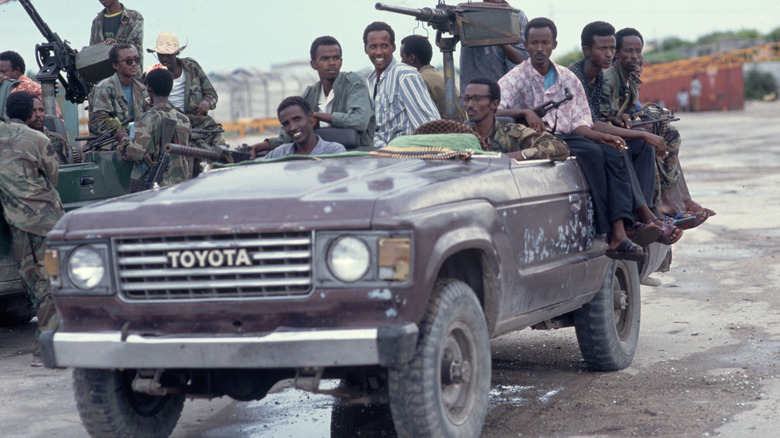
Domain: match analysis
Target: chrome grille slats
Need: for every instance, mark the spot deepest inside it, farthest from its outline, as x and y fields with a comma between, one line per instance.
x=262, y=265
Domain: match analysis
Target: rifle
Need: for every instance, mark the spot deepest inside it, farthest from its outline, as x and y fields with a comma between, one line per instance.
x=53, y=58
x=543, y=109
x=154, y=176
x=217, y=154
x=156, y=169
x=97, y=142
x=670, y=118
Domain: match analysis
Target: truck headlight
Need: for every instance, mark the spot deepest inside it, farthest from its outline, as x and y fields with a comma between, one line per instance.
x=86, y=267
x=349, y=259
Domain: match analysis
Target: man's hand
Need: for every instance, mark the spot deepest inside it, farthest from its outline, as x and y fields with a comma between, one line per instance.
x=120, y=135
x=612, y=140
x=203, y=108
x=264, y=145
x=657, y=142
x=109, y=41
x=533, y=121
x=623, y=121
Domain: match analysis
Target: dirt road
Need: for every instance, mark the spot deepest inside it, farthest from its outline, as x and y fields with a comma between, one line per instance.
x=707, y=363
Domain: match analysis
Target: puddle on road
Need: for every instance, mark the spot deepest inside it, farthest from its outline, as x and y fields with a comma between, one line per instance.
x=294, y=413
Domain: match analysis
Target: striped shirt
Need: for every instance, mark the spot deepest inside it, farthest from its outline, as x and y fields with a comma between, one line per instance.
x=401, y=102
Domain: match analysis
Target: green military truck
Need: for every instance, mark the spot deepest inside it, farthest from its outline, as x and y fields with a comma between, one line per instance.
x=102, y=175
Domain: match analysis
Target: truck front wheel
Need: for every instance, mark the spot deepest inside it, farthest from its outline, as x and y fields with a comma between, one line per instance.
x=110, y=408
x=443, y=391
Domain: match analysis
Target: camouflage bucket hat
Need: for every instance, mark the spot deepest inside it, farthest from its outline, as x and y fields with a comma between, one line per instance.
x=167, y=44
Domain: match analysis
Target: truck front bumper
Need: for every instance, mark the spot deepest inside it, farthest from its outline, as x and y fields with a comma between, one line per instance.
x=385, y=346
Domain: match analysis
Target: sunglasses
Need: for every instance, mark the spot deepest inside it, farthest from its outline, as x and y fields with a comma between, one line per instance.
x=477, y=98
x=131, y=61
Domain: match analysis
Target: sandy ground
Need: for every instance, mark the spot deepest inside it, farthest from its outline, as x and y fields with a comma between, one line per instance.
x=707, y=363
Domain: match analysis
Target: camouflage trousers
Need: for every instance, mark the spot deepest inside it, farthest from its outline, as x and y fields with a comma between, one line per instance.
x=29, y=250
x=667, y=168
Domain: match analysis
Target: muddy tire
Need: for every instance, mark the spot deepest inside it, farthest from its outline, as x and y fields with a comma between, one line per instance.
x=443, y=391
x=15, y=310
x=608, y=326
x=110, y=408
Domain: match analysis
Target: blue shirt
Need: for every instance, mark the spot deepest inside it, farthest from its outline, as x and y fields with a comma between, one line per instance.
x=401, y=103
x=550, y=78
x=489, y=61
x=128, y=92
x=322, y=148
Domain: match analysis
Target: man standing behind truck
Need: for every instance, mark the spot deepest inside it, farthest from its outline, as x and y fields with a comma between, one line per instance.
x=31, y=204
x=492, y=62
x=116, y=24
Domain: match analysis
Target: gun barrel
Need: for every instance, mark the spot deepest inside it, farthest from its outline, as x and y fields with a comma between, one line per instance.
x=429, y=15
x=39, y=23
x=188, y=151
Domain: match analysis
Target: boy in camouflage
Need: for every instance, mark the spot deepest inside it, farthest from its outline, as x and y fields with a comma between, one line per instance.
x=31, y=204
x=148, y=143
x=116, y=24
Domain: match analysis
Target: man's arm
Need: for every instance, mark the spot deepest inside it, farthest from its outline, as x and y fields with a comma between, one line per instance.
x=527, y=144
x=210, y=97
x=101, y=112
x=657, y=142
x=143, y=143
x=49, y=162
x=601, y=137
x=360, y=108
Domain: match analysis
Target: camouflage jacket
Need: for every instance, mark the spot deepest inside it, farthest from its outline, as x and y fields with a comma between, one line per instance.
x=148, y=141
x=106, y=100
x=131, y=31
x=197, y=86
x=60, y=145
x=28, y=179
x=513, y=137
x=619, y=95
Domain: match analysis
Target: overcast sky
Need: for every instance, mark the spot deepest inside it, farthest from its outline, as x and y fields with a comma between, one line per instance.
x=228, y=34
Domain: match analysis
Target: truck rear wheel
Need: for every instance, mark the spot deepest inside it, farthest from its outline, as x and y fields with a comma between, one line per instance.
x=443, y=391
x=110, y=408
x=608, y=326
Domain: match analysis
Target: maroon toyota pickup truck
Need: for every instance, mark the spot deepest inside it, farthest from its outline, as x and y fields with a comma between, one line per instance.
x=390, y=273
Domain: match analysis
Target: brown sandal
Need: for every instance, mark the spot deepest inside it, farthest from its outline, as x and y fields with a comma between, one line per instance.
x=627, y=250
x=644, y=233
x=668, y=232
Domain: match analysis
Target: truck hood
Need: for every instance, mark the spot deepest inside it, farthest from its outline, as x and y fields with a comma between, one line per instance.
x=335, y=193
